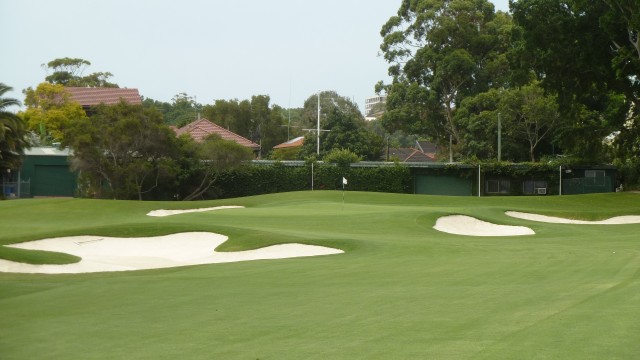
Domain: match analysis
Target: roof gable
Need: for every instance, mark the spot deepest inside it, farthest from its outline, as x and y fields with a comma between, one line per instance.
x=201, y=128
x=411, y=155
x=108, y=96
x=296, y=142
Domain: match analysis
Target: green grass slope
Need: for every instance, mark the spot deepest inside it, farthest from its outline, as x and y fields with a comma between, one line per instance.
x=402, y=290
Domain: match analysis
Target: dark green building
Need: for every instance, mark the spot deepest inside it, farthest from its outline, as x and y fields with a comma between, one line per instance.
x=45, y=172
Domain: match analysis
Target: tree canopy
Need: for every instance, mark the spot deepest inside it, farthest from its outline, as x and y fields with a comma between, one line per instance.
x=69, y=72
x=255, y=119
x=441, y=52
x=50, y=111
x=125, y=147
x=342, y=127
x=13, y=140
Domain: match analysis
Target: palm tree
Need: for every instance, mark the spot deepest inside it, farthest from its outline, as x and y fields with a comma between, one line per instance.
x=13, y=132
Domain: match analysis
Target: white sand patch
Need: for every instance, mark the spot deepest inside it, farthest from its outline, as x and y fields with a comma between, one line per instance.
x=467, y=225
x=618, y=220
x=163, y=212
x=120, y=254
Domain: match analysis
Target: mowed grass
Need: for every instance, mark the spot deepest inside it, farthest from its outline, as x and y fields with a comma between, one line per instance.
x=402, y=290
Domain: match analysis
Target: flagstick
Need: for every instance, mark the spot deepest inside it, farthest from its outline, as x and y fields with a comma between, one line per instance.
x=344, y=182
x=343, y=196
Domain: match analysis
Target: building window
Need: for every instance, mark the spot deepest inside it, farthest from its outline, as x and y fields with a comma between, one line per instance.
x=594, y=177
x=497, y=186
x=534, y=187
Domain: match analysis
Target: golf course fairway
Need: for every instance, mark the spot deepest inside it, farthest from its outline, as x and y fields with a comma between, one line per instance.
x=400, y=290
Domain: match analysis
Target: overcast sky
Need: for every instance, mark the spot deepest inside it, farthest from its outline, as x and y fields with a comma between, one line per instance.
x=210, y=49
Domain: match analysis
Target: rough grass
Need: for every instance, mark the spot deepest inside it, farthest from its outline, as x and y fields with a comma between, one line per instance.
x=401, y=291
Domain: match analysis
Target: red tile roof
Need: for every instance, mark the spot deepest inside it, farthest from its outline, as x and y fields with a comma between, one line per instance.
x=108, y=96
x=201, y=128
x=297, y=142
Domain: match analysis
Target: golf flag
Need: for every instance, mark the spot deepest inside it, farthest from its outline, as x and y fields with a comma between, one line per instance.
x=344, y=181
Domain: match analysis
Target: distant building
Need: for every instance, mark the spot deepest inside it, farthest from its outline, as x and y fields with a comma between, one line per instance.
x=374, y=107
x=90, y=97
x=201, y=128
x=45, y=172
x=422, y=151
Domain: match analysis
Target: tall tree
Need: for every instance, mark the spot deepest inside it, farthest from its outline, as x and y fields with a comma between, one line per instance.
x=233, y=115
x=329, y=101
x=254, y=119
x=580, y=50
x=202, y=163
x=184, y=109
x=124, y=146
x=342, y=127
x=69, y=72
x=440, y=52
x=13, y=140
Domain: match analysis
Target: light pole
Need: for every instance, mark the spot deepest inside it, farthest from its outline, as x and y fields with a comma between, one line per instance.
x=317, y=129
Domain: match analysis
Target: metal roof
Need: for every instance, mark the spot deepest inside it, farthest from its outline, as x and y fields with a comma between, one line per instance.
x=47, y=151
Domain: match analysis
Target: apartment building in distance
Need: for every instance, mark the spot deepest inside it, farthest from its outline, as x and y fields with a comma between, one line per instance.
x=374, y=107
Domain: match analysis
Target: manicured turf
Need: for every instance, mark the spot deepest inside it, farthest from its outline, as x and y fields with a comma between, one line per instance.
x=401, y=291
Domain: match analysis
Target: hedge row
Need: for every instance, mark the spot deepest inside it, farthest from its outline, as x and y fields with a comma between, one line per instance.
x=253, y=179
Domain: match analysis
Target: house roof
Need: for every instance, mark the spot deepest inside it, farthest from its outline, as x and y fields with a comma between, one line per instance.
x=202, y=128
x=108, y=96
x=411, y=155
x=296, y=142
x=427, y=147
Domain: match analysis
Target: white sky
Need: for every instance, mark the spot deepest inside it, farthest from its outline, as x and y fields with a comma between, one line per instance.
x=210, y=49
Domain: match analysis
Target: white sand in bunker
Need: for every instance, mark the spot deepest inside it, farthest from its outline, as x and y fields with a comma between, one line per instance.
x=618, y=220
x=467, y=225
x=120, y=254
x=163, y=212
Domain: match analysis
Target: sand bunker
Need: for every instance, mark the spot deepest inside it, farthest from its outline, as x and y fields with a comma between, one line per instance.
x=121, y=254
x=163, y=212
x=467, y=225
x=618, y=220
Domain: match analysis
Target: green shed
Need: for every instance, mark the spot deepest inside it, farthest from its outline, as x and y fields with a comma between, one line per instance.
x=442, y=179
x=588, y=180
x=46, y=172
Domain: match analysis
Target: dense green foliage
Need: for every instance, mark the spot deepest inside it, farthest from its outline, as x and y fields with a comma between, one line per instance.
x=123, y=147
x=441, y=52
x=50, y=112
x=342, y=126
x=13, y=140
x=456, y=64
x=206, y=161
x=401, y=290
x=266, y=179
x=253, y=119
